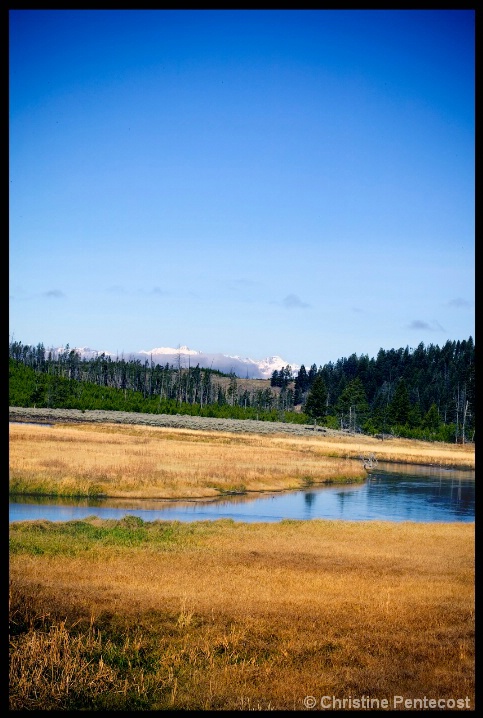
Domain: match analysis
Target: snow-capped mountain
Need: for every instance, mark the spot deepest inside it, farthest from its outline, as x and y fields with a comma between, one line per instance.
x=243, y=367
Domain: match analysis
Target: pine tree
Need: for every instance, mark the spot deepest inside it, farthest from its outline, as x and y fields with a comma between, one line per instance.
x=301, y=385
x=431, y=419
x=274, y=381
x=316, y=404
x=352, y=406
x=400, y=406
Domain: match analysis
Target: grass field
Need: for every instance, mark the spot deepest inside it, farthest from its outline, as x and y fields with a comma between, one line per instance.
x=218, y=615
x=152, y=462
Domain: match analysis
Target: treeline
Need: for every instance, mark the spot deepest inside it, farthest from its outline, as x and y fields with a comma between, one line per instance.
x=426, y=393
x=64, y=379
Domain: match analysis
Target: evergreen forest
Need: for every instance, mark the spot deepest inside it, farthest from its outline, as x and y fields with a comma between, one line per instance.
x=424, y=393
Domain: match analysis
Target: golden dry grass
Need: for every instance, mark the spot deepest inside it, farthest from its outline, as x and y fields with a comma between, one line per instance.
x=218, y=615
x=243, y=616
x=154, y=462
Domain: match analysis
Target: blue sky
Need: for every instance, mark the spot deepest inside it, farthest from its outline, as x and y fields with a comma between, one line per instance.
x=251, y=182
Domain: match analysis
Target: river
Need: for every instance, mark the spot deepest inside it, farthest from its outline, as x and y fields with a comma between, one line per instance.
x=393, y=492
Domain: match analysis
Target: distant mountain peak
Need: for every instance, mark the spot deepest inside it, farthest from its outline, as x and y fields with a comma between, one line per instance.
x=170, y=350
x=241, y=367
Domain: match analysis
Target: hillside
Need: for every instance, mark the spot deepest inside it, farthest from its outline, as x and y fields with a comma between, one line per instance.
x=427, y=393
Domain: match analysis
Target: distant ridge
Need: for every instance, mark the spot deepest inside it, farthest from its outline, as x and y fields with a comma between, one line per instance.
x=242, y=367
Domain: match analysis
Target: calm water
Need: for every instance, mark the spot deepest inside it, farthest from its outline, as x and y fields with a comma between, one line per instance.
x=392, y=493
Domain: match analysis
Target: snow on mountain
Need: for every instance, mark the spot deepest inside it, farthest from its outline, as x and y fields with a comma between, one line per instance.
x=91, y=353
x=243, y=367
x=170, y=350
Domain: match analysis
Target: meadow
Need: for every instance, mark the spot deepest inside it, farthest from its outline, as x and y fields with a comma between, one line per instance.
x=219, y=615
x=129, y=461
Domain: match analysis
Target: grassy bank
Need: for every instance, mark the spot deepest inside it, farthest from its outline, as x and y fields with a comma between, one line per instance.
x=219, y=615
x=129, y=461
x=126, y=615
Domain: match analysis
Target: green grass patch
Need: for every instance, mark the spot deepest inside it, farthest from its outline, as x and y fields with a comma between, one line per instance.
x=19, y=486
x=73, y=538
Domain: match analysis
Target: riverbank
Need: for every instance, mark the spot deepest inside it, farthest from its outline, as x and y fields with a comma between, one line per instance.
x=220, y=615
x=224, y=615
x=145, y=462
x=116, y=455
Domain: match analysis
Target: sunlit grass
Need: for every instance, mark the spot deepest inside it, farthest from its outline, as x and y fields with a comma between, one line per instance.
x=224, y=615
x=155, y=462
x=127, y=615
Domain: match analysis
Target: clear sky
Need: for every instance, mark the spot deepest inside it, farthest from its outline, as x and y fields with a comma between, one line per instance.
x=250, y=182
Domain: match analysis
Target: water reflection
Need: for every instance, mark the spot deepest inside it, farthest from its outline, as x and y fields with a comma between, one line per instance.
x=309, y=498
x=391, y=493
